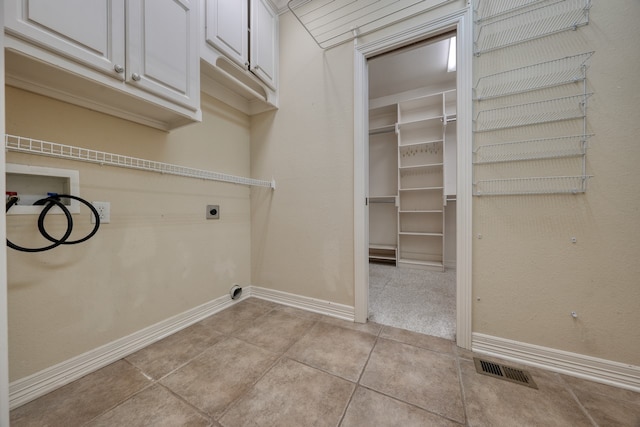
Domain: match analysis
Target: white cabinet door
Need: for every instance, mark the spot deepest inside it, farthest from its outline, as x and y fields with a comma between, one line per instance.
x=162, y=49
x=227, y=28
x=89, y=32
x=264, y=42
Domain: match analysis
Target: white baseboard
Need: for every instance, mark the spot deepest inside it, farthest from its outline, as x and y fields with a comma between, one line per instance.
x=29, y=388
x=573, y=364
x=328, y=308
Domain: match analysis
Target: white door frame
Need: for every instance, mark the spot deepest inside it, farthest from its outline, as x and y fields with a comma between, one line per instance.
x=4, y=352
x=460, y=21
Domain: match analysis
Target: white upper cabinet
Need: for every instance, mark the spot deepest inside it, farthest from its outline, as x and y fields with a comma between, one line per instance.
x=90, y=32
x=264, y=39
x=133, y=59
x=162, y=50
x=227, y=28
x=239, y=53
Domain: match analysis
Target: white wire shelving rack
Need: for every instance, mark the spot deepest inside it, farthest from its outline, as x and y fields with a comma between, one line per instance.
x=532, y=185
x=547, y=111
x=533, y=149
x=504, y=23
x=61, y=151
x=485, y=10
x=571, y=69
x=523, y=22
x=333, y=22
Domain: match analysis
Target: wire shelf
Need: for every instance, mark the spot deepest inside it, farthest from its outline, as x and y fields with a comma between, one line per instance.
x=52, y=149
x=547, y=148
x=489, y=9
x=333, y=22
x=532, y=24
x=532, y=185
x=551, y=110
x=539, y=76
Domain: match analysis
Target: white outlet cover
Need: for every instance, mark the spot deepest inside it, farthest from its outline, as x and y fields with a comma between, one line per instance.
x=104, y=210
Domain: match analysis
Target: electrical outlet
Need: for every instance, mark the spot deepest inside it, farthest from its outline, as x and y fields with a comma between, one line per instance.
x=213, y=212
x=104, y=212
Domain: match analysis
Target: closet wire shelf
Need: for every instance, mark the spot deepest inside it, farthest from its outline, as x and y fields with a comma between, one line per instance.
x=487, y=10
x=552, y=110
x=333, y=22
x=52, y=149
x=545, y=148
x=532, y=185
x=544, y=75
x=558, y=16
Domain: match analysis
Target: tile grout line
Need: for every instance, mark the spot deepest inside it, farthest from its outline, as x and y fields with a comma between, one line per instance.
x=400, y=400
x=208, y=416
x=413, y=405
x=266, y=371
x=250, y=387
x=174, y=370
x=224, y=337
x=357, y=383
x=111, y=408
x=575, y=397
x=463, y=395
x=444, y=353
x=157, y=382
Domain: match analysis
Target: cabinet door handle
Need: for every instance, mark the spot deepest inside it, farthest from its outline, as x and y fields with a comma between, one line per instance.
x=136, y=77
x=118, y=68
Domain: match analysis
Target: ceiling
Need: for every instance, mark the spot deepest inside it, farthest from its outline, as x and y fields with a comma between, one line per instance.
x=410, y=68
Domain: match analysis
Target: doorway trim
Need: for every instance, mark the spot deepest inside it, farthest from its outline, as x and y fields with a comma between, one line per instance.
x=461, y=22
x=4, y=329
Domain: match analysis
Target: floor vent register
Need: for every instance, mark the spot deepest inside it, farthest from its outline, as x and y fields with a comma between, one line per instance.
x=503, y=372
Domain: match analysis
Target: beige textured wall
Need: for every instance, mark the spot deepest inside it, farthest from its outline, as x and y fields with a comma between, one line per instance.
x=527, y=275
x=157, y=258
x=302, y=234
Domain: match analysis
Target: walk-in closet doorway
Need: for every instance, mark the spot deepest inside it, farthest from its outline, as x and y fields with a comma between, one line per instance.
x=412, y=161
x=412, y=187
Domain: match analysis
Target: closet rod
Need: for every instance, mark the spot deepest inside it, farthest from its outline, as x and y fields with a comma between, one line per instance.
x=61, y=151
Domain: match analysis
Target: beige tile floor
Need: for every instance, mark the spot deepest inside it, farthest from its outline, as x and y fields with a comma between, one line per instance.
x=262, y=364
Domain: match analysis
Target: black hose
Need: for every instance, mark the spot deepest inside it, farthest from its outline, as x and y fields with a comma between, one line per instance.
x=46, y=235
x=52, y=201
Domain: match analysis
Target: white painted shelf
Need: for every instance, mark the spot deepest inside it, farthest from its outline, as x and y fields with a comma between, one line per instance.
x=422, y=189
x=382, y=199
x=383, y=253
x=420, y=127
x=420, y=167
